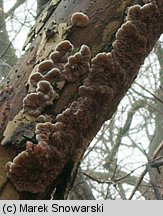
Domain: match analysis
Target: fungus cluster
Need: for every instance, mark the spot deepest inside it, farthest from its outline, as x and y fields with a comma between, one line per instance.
x=61, y=66
x=41, y=163
x=78, y=64
x=76, y=125
x=35, y=168
x=34, y=103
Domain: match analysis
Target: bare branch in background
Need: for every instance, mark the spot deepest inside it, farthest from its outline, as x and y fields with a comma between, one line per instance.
x=157, y=151
x=14, y=7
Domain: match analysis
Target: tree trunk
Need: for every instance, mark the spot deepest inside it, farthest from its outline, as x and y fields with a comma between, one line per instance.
x=53, y=26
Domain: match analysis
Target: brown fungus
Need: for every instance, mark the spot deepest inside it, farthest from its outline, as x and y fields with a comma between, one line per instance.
x=46, y=89
x=78, y=64
x=41, y=119
x=45, y=65
x=59, y=56
x=34, y=103
x=56, y=57
x=80, y=19
x=64, y=46
x=43, y=162
x=46, y=128
x=35, y=168
x=35, y=78
x=53, y=75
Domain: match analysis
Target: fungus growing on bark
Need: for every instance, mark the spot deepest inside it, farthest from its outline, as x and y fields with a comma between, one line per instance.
x=44, y=88
x=59, y=55
x=40, y=164
x=51, y=76
x=64, y=46
x=46, y=129
x=78, y=64
x=45, y=65
x=35, y=168
x=56, y=56
x=80, y=19
x=35, y=78
x=34, y=103
x=50, y=70
x=48, y=74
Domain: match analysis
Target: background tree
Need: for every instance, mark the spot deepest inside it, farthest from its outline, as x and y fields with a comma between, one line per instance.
x=107, y=179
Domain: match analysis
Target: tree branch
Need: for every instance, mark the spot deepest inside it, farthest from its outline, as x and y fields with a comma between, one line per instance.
x=155, y=154
x=14, y=7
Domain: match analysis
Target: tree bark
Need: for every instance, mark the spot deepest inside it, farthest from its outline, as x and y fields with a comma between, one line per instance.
x=105, y=19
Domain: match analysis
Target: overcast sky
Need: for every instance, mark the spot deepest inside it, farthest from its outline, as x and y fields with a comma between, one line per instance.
x=19, y=25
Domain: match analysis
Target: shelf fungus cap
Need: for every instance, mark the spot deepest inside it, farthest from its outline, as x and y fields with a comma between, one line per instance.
x=44, y=87
x=70, y=74
x=80, y=19
x=64, y=46
x=78, y=64
x=56, y=56
x=35, y=78
x=32, y=104
x=35, y=168
x=45, y=65
x=86, y=52
x=46, y=128
x=52, y=75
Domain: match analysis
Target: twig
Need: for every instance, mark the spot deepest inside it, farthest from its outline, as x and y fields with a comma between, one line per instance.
x=125, y=176
x=14, y=7
x=153, y=182
x=149, y=92
x=99, y=181
x=156, y=152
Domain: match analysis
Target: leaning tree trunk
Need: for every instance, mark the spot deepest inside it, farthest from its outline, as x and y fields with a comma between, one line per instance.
x=86, y=94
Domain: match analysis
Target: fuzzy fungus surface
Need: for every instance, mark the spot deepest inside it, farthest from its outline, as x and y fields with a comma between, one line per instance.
x=108, y=76
x=80, y=19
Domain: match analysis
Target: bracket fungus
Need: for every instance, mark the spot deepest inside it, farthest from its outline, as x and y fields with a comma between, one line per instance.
x=80, y=19
x=78, y=64
x=35, y=168
x=45, y=65
x=40, y=164
x=34, y=103
x=61, y=66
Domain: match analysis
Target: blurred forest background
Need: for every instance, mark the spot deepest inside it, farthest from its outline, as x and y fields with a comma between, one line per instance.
x=123, y=161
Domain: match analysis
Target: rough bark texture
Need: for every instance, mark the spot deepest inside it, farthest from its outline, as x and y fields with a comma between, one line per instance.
x=109, y=78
